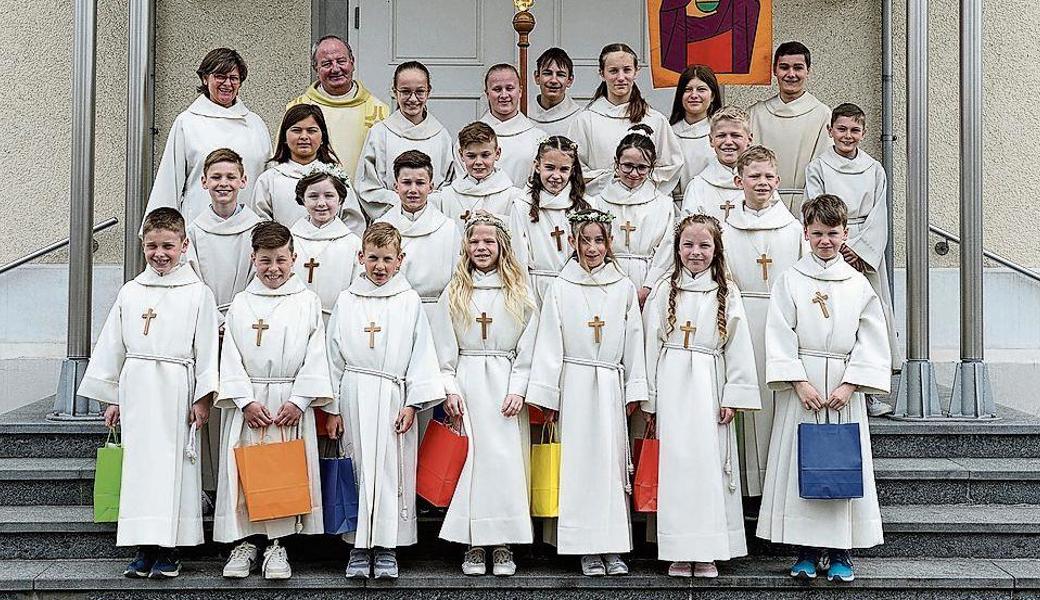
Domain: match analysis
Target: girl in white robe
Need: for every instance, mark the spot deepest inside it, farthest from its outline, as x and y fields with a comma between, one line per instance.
x=410, y=127
x=643, y=216
x=326, y=248
x=517, y=135
x=271, y=380
x=384, y=367
x=700, y=369
x=616, y=106
x=539, y=219
x=697, y=98
x=303, y=140
x=588, y=365
x=484, y=329
x=826, y=346
x=155, y=367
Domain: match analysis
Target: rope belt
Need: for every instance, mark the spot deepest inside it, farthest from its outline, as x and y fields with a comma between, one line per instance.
x=176, y=360
x=272, y=380
x=629, y=469
x=694, y=348
x=643, y=257
x=543, y=273
x=764, y=295
x=857, y=220
x=429, y=299
x=510, y=354
x=223, y=308
x=823, y=354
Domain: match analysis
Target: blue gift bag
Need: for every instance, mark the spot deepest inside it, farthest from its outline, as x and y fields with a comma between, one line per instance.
x=339, y=495
x=830, y=462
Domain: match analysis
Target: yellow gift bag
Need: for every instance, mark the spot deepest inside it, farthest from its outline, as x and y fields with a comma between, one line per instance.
x=545, y=474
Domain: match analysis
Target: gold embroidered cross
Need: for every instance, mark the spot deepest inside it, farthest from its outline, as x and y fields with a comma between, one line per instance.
x=310, y=266
x=821, y=299
x=596, y=325
x=484, y=321
x=372, y=330
x=464, y=216
x=687, y=330
x=728, y=206
x=765, y=261
x=557, y=233
x=628, y=228
x=260, y=328
x=148, y=316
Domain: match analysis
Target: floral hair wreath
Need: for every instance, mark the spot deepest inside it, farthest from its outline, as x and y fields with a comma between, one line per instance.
x=685, y=217
x=548, y=138
x=327, y=169
x=483, y=217
x=590, y=215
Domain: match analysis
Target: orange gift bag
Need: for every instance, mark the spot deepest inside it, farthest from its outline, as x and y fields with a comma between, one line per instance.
x=442, y=454
x=274, y=479
x=644, y=488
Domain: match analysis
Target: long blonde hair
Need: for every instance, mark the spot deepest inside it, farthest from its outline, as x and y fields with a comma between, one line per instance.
x=514, y=280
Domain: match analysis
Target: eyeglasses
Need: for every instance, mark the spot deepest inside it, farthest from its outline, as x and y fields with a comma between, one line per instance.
x=420, y=94
x=627, y=168
x=222, y=78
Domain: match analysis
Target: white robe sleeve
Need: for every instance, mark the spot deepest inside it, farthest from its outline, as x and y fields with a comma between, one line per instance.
x=872, y=236
x=101, y=380
x=518, y=219
x=376, y=200
x=741, y=389
x=192, y=257
x=172, y=175
x=543, y=389
x=351, y=212
x=661, y=260
x=447, y=344
x=634, y=356
x=580, y=134
x=870, y=362
x=814, y=183
x=783, y=365
x=670, y=160
x=337, y=363
x=236, y=389
x=653, y=323
x=206, y=348
x=423, y=384
x=520, y=375
x=313, y=382
x=263, y=202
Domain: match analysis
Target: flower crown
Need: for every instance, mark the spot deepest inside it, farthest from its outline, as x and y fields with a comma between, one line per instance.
x=590, y=215
x=706, y=219
x=483, y=217
x=327, y=169
x=569, y=144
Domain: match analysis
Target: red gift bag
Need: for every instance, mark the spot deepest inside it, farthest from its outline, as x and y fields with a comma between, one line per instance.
x=442, y=454
x=644, y=488
x=535, y=415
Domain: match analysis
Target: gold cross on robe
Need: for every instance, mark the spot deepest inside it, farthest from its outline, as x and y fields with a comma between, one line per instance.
x=260, y=328
x=148, y=316
x=765, y=261
x=688, y=329
x=628, y=228
x=728, y=206
x=484, y=321
x=596, y=326
x=464, y=216
x=557, y=234
x=310, y=266
x=372, y=330
x=821, y=299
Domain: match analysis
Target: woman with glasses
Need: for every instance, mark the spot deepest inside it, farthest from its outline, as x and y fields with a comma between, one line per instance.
x=410, y=127
x=216, y=119
x=643, y=214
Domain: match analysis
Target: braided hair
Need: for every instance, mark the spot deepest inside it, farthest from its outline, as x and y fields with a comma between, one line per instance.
x=718, y=272
x=577, y=181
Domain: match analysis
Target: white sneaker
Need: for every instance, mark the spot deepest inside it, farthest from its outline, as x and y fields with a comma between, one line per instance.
x=276, y=562
x=474, y=562
x=385, y=564
x=706, y=570
x=877, y=408
x=592, y=566
x=359, y=565
x=241, y=562
x=680, y=569
x=502, y=558
x=614, y=564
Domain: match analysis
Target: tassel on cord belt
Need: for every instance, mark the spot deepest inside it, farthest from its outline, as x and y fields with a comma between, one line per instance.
x=590, y=362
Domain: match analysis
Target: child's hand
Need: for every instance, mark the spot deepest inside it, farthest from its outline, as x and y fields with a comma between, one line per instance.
x=726, y=415
x=333, y=426
x=405, y=418
x=852, y=258
x=512, y=404
x=642, y=294
x=112, y=415
x=550, y=415
x=256, y=415
x=840, y=396
x=199, y=412
x=810, y=398
x=454, y=406
x=288, y=415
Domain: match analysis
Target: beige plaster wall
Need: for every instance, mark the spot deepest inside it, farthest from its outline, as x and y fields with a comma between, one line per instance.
x=274, y=36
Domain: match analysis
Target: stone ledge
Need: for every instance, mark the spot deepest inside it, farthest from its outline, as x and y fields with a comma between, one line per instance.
x=19, y=469
x=961, y=519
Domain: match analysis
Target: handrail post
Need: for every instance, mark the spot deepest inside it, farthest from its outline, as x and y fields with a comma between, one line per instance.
x=67, y=404
x=140, y=114
x=917, y=396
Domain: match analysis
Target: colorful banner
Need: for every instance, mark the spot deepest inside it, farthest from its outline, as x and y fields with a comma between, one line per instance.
x=733, y=37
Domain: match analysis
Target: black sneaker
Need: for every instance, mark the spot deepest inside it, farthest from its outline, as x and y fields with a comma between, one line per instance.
x=141, y=565
x=166, y=566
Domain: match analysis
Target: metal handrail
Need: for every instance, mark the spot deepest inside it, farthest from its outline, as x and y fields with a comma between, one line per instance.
x=942, y=248
x=52, y=247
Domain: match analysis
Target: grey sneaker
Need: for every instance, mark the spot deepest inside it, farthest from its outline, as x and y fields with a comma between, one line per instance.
x=614, y=564
x=474, y=562
x=592, y=566
x=877, y=408
x=276, y=562
x=502, y=558
x=241, y=562
x=359, y=565
x=385, y=564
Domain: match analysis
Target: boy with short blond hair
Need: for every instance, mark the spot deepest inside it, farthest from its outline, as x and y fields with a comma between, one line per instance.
x=713, y=192
x=155, y=367
x=384, y=368
x=484, y=186
x=848, y=172
x=826, y=346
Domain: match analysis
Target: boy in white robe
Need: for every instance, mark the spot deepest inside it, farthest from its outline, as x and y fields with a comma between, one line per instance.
x=589, y=367
x=484, y=328
x=323, y=242
x=553, y=110
x=273, y=371
x=484, y=187
x=410, y=127
x=792, y=123
x=701, y=369
x=763, y=239
x=218, y=250
x=851, y=174
x=155, y=366
x=713, y=191
x=517, y=135
x=384, y=368
x=826, y=346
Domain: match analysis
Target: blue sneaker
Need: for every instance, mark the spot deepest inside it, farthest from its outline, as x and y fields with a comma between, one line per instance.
x=166, y=566
x=840, y=567
x=141, y=565
x=805, y=566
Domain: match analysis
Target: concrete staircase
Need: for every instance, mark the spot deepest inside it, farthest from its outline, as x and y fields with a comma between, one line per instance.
x=961, y=503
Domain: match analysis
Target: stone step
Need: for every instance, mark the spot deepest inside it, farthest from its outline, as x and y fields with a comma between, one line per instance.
x=1013, y=435
x=957, y=480
x=52, y=481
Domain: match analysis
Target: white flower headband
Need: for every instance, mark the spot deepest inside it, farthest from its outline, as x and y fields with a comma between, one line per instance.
x=327, y=169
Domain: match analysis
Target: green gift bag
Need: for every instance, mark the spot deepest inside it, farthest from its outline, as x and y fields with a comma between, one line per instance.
x=108, y=475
